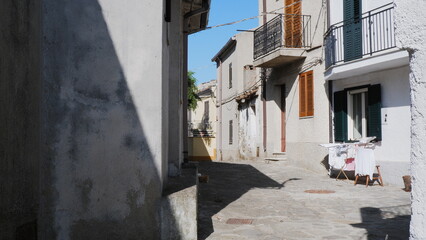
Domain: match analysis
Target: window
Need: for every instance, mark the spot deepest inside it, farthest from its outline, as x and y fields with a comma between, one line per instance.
x=206, y=111
x=293, y=24
x=230, y=75
x=357, y=113
x=306, y=94
x=230, y=132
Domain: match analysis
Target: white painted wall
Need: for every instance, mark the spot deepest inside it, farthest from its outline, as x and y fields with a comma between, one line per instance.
x=393, y=152
x=410, y=22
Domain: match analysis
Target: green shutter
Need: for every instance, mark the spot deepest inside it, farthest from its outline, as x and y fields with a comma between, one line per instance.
x=340, y=116
x=374, y=127
x=352, y=29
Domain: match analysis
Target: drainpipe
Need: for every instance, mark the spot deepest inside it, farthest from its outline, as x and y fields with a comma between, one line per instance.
x=330, y=111
x=185, y=99
x=263, y=76
x=219, y=115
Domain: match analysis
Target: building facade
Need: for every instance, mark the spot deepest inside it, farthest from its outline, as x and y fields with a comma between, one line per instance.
x=368, y=77
x=288, y=50
x=238, y=104
x=202, y=124
x=93, y=118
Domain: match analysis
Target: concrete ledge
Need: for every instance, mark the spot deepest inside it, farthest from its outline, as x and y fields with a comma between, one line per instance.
x=179, y=205
x=381, y=61
x=280, y=57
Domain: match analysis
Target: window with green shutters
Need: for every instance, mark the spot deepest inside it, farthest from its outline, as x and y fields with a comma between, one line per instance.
x=357, y=113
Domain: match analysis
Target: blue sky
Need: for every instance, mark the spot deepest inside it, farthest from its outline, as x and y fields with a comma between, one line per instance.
x=205, y=44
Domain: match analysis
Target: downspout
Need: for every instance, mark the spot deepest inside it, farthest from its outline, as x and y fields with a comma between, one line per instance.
x=185, y=98
x=219, y=115
x=263, y=76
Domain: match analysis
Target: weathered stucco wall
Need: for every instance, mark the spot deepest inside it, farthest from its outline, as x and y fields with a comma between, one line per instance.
x=19, y=118
x=239, y=56
x=410, y=24
x=103, y=119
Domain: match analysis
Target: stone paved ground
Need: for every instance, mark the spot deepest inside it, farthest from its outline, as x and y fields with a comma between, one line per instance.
x=273, y=195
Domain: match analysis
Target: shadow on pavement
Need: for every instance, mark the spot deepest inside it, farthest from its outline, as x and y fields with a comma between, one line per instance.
x=386, y=223
x=227, y=183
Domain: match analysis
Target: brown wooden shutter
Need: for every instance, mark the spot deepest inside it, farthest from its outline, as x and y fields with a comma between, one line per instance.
x=310, y=93
x=306, y=94
x=302, y=95
x=293, y=23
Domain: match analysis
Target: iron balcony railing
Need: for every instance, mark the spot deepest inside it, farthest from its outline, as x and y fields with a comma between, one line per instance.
x=200, y=128
x=360, y=36
x=200, y=125
x=289, y=31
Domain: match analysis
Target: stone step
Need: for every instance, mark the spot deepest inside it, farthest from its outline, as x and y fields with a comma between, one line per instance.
x=279, y=153
x=276, y=159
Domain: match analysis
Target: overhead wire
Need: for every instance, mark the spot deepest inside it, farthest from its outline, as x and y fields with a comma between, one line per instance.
x=254, y=17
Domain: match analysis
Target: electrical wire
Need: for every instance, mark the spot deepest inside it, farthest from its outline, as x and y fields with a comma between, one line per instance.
x=254, y=17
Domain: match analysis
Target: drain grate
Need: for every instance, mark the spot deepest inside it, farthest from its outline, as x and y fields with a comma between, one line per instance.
x=239, y=221
x=320, y=191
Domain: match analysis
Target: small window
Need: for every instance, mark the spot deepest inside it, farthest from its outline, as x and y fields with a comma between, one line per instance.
x=230, y=132
x=306, y=94
x=206, y=110
x=230, y=75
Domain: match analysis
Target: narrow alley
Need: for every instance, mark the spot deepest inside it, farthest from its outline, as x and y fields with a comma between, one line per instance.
x=274, y=200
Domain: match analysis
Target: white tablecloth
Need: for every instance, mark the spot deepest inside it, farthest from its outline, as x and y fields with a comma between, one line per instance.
x=365, y=161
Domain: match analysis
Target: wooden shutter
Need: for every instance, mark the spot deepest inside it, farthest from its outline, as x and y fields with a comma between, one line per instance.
x=340, y=116
x=302, y=95
x=310, y=93
x=206, y=111
x=306, y=94
x=352, y=29
x=293, y=23
x=374, y=124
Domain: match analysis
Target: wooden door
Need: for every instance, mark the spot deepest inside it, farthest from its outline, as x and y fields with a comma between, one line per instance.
x=283, y=116
x=293, y=23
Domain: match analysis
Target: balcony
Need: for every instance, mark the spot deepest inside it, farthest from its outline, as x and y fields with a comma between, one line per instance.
x=201, y=129
x=282, y=40
x=362, y=36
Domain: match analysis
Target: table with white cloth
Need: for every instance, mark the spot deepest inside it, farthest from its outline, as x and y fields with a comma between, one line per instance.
x=360, y=155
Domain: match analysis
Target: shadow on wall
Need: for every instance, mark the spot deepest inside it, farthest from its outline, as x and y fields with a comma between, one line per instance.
x=227, y=183
x=386, y=223
x=99, y=177
x=19, y=119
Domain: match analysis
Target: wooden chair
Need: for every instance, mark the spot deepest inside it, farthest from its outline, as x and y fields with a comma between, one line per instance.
x=367, y=180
